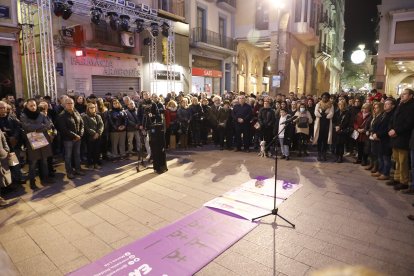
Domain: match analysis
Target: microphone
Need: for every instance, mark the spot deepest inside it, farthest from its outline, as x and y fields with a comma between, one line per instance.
x=288, y=121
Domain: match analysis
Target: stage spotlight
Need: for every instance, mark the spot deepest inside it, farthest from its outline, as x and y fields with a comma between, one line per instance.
x=113, y=20
x=124, y=23
x=96, y=14
x=165, y=29
x=58, y=7
x=67, y=11
x=147, y=41
x=140, y=25
x=154, y=29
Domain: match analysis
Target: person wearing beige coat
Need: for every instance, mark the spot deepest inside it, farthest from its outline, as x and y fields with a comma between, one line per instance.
x=324, y=112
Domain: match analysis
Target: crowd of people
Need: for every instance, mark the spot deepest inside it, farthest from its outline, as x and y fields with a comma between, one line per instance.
x=377, y=130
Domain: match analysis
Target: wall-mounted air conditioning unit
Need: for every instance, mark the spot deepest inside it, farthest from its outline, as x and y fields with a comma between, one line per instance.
x=128, y=39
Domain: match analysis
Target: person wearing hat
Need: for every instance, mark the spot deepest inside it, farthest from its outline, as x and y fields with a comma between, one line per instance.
x=324, y=112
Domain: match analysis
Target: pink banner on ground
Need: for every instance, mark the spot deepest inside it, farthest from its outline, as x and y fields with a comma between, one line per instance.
x=180, y=249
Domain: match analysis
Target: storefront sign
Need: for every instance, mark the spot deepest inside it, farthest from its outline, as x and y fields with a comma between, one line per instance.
x=162, y=75
x=207, y=73
x=4, y=11
x=265, y=80
x=90, y=61
x=253, y=80
x=133, y=73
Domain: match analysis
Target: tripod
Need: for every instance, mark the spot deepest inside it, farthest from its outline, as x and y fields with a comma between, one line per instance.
x=275, y=209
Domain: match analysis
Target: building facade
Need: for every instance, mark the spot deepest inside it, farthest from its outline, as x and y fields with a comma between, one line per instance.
x=395, y=60
x=10, y=65
x=106, y=48
x=289, y=46
x=212, y=45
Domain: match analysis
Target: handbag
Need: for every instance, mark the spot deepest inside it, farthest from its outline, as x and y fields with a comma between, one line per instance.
x=303, y=122
x=5, y=175
x=13, y=161
x=355, y=134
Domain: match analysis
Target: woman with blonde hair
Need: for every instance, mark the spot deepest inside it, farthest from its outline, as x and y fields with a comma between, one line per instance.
x=171, y=124
x=94, y=128
x=378, y=109
x=361, y=124
x=183, y=117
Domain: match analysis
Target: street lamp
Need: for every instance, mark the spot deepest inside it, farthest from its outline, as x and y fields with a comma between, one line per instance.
x=359, y=56
x=274, y=28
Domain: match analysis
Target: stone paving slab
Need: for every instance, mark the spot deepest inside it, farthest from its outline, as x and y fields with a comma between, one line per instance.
x=343, y=216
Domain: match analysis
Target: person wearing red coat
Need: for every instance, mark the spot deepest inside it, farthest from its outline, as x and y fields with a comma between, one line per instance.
x=361, y=124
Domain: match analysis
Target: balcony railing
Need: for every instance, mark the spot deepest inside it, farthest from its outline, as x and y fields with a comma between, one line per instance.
x=213, y=38
x=323, y=48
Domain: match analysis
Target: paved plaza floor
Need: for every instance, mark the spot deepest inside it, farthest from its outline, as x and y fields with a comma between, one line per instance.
x=342, y=216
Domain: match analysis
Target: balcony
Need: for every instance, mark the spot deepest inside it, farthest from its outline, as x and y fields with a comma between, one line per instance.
x=227, y=5
x=305, y=33
x=173, y=9
x=200, y=35
x=325, y=49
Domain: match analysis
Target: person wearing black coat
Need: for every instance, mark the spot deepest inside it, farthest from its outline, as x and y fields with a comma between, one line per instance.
x=70, y=125
x=242, y=114
x=118, y=121
x=197, y=116
x=378, y=109
x=342, y=126
x=381, y=133
x=401, y=126
x=266, y=119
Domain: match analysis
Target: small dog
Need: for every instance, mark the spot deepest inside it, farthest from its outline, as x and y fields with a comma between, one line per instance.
x=262, y=152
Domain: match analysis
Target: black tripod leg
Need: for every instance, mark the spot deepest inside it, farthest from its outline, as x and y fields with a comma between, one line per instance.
x=291, y=224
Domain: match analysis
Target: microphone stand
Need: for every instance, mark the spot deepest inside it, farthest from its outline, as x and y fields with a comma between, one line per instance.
x=275, y=210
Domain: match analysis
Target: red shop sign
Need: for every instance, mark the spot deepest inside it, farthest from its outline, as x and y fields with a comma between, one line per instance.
x=206, y=73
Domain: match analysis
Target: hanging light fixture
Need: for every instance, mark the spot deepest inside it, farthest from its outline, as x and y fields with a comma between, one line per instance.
x=113, y=20
x=165, y=29
x=58, y=7
x=67, y=11
x=140, y=25
x=124, y=23
x=96, y=14
x=154, y=29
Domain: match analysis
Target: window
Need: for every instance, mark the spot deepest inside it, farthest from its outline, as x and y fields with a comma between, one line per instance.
x=262, y=15
x=305, y=13
x=404, y=32
x=163, y=5
x=201, y=24
x=298, y=10
x=222, y=31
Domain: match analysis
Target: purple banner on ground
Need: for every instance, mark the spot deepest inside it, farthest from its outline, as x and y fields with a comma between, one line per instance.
x=181, y=248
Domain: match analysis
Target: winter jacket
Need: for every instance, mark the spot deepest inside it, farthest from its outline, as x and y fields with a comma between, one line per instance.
x=70, y=124
x=116, y=118
x=93, y=125
x=133, y=120
x=266, y=117
x=403, y=123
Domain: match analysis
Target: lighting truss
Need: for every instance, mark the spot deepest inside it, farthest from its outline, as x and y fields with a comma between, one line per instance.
x=80, y=7
x=29, y=48
x=170, y=61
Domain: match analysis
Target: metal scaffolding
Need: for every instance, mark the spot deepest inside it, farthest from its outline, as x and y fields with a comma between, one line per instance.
x=153, y=64
x=39, y=11
x=29, y=48
x=171, y=77
x=47, y=48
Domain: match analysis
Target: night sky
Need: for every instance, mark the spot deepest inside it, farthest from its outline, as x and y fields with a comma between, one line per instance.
x=360, y=23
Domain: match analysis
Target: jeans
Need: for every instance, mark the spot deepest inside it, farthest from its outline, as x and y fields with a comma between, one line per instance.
x=284, y=148
x=72, y=148
x=33, y=166
x=93, y=150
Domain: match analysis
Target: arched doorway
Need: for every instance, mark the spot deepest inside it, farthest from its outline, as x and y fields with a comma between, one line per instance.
x=407, y=82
